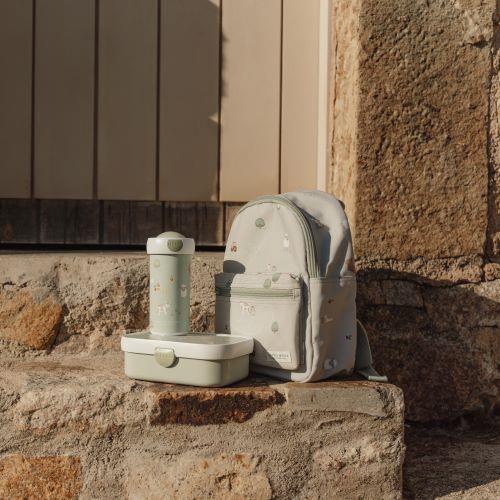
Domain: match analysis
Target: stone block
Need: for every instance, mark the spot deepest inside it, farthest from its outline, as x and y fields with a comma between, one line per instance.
x=28, y=321
x=259, y=439
x=47, y=394
x=443, y=355
x=85, y=302
x=48, y=477
x=410, y=159
x=353, y=396
x=180, y=405
x=402, y=293
x=233, y=476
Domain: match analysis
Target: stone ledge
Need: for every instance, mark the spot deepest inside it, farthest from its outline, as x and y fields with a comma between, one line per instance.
x=260, y=438
x=49, y=392
x=353, y=396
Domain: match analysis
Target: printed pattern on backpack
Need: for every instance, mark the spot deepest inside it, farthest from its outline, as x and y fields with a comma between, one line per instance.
x=289, y=282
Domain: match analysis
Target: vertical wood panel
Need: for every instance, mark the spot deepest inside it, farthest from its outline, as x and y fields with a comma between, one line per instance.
x=64, y=98
x=15, y=97
x=127, y=99
x=145, y=221
x=299, y=153
x=250, y=108
x=189, y=100
x=18, y=221
x=69, y=221
x=202, y=221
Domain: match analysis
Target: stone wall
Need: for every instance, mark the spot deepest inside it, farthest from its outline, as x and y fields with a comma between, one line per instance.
x=70, y=302
x=419, y=174
x=73, y=426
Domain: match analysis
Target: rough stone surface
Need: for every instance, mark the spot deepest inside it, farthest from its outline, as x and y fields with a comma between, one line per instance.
x=493, y=244
x=440, y=344
x=54, y=405
x=425, y=328
x=84, y=302
x=181, y=405
x=447, y=271
x=344, y=109
x=415, y=158
x=421, y=183
x=359, y=396
x=235, y=477
x=24, y=319
x=48, y=477
x=459, y=462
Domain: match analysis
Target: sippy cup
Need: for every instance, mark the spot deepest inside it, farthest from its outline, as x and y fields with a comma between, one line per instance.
x=170, y=255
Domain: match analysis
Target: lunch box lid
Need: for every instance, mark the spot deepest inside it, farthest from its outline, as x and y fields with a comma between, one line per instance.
x=206, y=346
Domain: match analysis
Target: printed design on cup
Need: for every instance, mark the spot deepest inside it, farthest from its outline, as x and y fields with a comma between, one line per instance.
x=260, y=223
x=348, y=337
x=326, y=319
x=276, y=277
x=234, y=247
x=247, y=309
x=164, y=309
x=267, y=283
x=183, y=289
x=275, y=327
x=330, y=364
x=172, y=279
x=157, y=287
x=156, y=263
x=271, y=268
x=286, y=242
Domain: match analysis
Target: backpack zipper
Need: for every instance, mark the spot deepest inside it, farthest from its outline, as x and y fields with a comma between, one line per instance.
x=228, y=291
x=311, y=252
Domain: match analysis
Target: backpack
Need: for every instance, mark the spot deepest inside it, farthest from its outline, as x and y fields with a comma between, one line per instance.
x=289, y=282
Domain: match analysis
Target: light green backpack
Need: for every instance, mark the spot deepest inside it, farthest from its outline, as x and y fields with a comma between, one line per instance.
x=289, y=282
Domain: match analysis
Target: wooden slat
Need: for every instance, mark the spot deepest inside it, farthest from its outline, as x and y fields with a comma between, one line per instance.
x=189, y=100
x=18, y=221
x=130, y=222
x=145, y=221
x=115, y=223
x=15, y=97
x=250, y=107
x=69, y=221
x=127, y=99
x=300, y=85
x=201, y=221
x=64, y=98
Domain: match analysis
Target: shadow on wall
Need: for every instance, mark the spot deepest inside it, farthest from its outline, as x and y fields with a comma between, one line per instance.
x=441, y=461
x=440, y=342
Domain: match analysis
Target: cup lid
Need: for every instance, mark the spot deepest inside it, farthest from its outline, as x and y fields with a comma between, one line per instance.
x=170, y=242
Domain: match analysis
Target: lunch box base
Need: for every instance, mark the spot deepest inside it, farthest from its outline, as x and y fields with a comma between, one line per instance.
x=187, y=371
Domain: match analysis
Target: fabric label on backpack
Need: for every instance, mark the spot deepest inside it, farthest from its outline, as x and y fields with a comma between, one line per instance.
x=282, y=356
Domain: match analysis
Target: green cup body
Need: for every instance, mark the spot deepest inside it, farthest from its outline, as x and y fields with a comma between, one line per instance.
x=169, y=291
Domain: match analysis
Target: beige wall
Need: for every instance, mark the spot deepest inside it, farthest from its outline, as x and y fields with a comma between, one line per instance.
x=193, y=100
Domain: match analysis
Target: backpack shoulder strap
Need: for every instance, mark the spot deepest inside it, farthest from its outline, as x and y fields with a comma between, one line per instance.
x=364, y=360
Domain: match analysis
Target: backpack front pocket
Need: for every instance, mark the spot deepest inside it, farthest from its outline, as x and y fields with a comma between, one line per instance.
x=266, y=307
